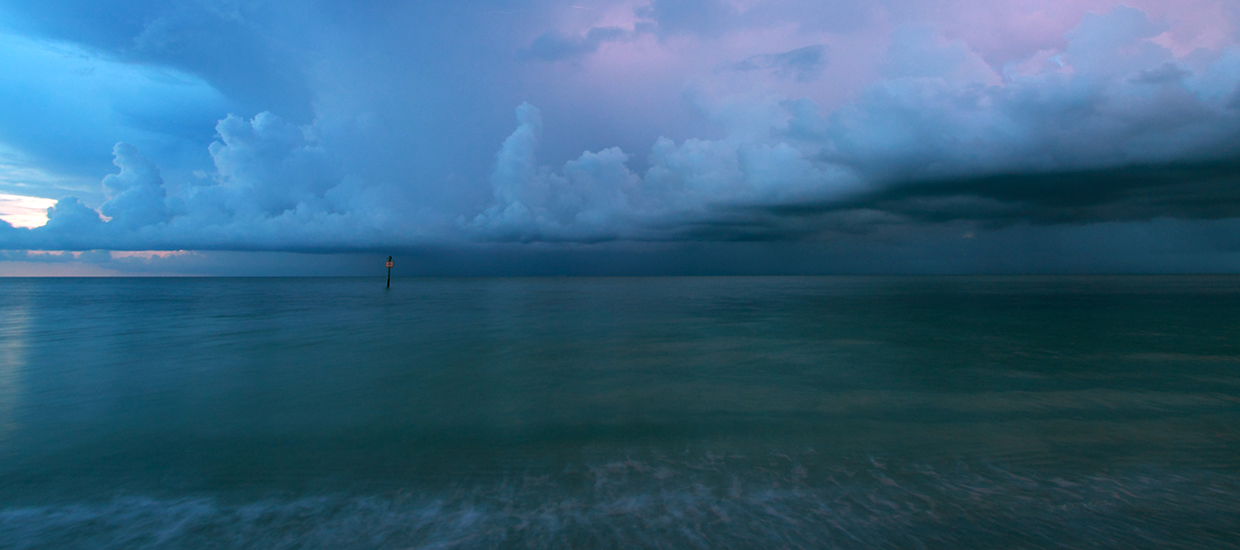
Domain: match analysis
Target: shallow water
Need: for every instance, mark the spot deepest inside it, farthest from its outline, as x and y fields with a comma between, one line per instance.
x=664, y=412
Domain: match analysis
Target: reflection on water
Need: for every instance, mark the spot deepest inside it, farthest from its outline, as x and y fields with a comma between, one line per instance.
x=14, y=328
x=712, y=412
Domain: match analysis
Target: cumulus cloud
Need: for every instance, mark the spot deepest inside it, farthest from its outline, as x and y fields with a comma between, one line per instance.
x=1114, y=128
x=580, y=202
x=267, y=166
x=1111, y=125
x=136, y=195
x=274, y=187
x=597, y=197
x=69, y=217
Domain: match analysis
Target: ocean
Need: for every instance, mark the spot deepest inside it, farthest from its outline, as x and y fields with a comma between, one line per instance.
x=747, y=412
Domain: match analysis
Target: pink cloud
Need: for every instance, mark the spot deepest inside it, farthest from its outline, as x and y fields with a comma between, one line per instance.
x=22, y=211
x=1007, y=32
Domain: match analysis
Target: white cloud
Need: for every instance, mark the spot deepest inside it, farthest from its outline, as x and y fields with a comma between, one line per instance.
x=20, y=211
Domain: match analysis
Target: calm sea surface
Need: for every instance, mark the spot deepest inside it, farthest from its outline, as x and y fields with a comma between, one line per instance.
x=1092, y=412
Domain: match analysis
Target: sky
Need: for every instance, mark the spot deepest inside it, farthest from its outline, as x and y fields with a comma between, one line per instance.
x=627, y=137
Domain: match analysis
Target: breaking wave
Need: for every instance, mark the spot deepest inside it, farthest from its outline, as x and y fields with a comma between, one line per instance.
x=706, y=501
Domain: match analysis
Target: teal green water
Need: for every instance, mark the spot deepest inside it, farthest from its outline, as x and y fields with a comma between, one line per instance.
x=817, y=412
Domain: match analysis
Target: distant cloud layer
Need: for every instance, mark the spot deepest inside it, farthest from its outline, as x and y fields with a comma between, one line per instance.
x=699, y=121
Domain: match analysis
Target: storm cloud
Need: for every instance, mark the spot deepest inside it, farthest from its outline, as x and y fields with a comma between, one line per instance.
x=1116, y=131
x=635, y=122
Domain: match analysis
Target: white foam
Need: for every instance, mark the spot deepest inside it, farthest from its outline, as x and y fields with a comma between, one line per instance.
x=708, y=502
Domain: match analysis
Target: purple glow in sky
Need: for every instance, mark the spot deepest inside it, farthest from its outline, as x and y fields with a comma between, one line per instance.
x=664, y=136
